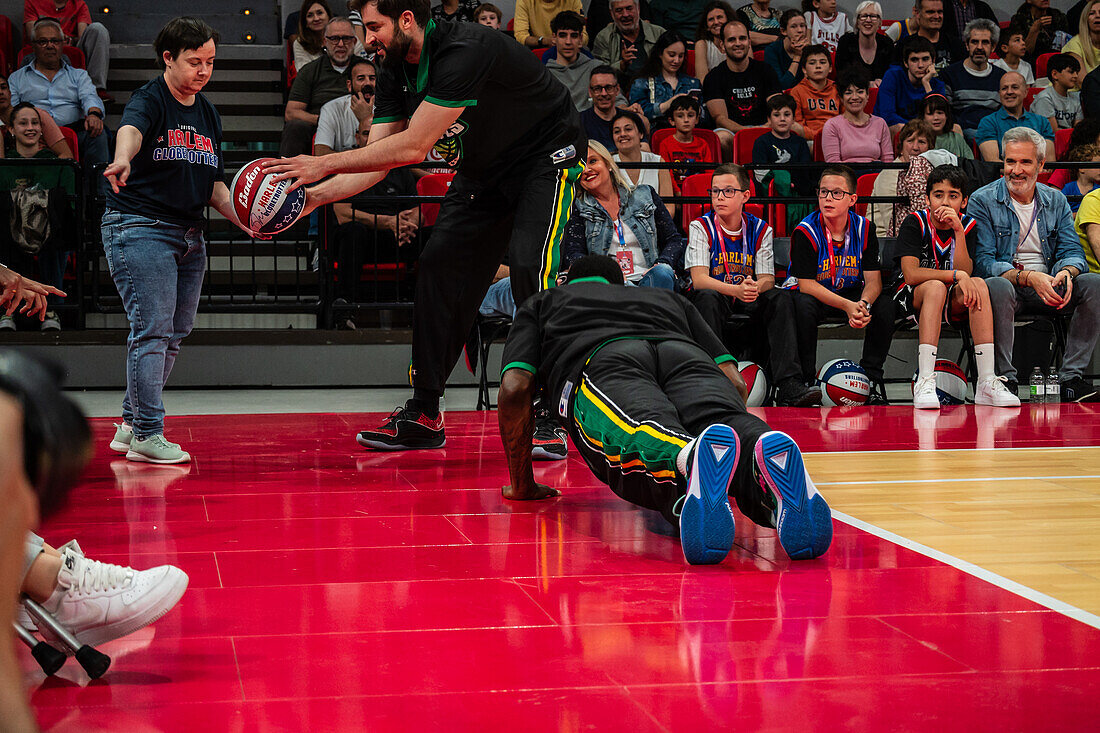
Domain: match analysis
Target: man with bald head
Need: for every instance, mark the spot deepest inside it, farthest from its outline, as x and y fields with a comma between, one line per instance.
x=991, y=129
x=1032, y=262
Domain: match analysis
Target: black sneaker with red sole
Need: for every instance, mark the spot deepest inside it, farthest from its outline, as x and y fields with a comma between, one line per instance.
x=548, y=442
x=405, y=429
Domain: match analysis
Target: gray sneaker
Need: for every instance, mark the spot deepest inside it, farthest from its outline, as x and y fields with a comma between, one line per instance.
x=51, y=322
x=123, y=435
x=155, y=449
x=7, y=323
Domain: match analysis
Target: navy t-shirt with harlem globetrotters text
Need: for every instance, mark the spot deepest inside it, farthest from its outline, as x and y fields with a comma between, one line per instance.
x=173, y=174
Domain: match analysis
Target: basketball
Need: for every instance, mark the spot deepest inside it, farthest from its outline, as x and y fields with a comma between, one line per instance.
x=757, y=382
x=263, y=205
x=950, y=383
x=843, y=382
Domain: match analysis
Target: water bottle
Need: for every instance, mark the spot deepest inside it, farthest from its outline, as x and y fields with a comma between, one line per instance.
x=1054, y=386
x=1038, y=387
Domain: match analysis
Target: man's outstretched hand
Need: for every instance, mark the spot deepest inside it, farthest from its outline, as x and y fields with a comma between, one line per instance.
x=304, y=169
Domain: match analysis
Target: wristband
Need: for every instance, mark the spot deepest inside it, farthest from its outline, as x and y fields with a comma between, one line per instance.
x=861, y=300
x=954, y=277
x=94, y=113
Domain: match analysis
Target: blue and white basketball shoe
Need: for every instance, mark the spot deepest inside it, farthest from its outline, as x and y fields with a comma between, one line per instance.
x=706, y=520
x=801, y=517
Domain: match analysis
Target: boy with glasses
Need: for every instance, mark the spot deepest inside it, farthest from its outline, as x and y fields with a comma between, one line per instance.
x=732, y=266
x=835, y=261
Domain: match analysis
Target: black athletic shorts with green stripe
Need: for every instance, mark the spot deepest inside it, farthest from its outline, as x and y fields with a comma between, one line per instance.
x=636, y=405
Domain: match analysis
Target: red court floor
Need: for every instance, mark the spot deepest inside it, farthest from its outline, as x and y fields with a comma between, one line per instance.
x=333, y=589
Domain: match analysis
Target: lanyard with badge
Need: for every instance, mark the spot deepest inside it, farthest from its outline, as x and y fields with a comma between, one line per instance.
x=624, y=256
x=725, y=245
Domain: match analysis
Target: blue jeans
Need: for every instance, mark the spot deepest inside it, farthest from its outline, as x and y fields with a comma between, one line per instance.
x=659, y=276
x=498, y=300
x=157, y=268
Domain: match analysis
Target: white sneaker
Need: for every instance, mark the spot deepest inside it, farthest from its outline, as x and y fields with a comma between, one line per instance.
x=7, y=323
x=156, y=449
x=51, y=322
x=992, y=391
x=124, y=434
x=98, y=602
x=924, y=394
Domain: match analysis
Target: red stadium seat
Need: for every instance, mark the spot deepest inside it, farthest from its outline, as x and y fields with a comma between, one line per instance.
x=1030, y=97
x=1041, y=65
x=1044, y=177
x=434, y=184
x=511, y=24
x=658, y=137
x=743, y=141
x=7, y=44
x=71, y=140
x=1061, y=143
x=865, y=184
x=778, y=213
x=74, y=54
x=872, y=97
x=758, y=55
x=540, y=52
x=819, y=149
x=689, y=63
x=291, y=70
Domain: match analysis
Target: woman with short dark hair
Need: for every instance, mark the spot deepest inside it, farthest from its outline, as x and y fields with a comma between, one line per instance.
x=167, y=168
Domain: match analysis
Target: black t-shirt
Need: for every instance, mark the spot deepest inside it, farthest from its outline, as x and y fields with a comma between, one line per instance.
x=318, y=82
x=793, y=149
x=848, y=56
x=515, y=112
x=598, y=129
x=915, y=239
x=556, y=331
x=173, y=174
x=744, y=92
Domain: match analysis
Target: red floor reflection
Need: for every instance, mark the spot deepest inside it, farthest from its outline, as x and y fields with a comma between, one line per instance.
x=334, y=589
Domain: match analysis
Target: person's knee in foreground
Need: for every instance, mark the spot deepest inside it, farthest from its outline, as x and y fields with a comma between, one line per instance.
x=935, y=259
x=655, y=406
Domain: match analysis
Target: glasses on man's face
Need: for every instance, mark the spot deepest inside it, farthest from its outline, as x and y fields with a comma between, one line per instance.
x=341, y=39
x=48, y=42
x=725, y=193
x=835, y=195
x=608, y=88
x=868, y=16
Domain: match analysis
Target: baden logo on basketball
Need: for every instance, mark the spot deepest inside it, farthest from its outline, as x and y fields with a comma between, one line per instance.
x=266, y=205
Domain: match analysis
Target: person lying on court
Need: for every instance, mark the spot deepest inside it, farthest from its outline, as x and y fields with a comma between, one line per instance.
x=655, y=405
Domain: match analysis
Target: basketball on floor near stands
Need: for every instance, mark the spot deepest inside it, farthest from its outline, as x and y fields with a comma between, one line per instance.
x=843, y=382
x=264, y=205
x=757, y=382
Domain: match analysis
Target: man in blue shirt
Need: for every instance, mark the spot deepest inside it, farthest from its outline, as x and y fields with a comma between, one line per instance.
x=903, y=87
x=1011, y=114
x=51, y=83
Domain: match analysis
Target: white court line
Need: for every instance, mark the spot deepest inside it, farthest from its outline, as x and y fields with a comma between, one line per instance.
x=952, y=480
x=946, y=450
x=1000, y=581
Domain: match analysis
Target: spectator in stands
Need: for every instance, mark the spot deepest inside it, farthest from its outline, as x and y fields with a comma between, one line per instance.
x=1085, y=46
x=957, y=13
x=603, y=89
x=79, y=30
x=167, y=169
x=905, y=86
x=1087, y=226
x=627, y=41
x=1058, y=102
x=1086, y=178
x=52, y=136
x=532, y=20
x=816, y=96
x=489, y=15
x=1090, y=95
x=52, y=84
x=662, y=79
x=1012, y=48
x=825, y=23
x=936, y=111
x=779, y=146
x=317, y=82
x=914, y=140
x=1043, y=24
x=866, y=48
x=737, y=91
x=835, y=259
x=341, y=118
x=784, y=55
x=934, y=246
x=571, y=67
x=52, y=244
x=677, y=15
x=731, y=261
x=1038, y=268
x=310, y=43
x=973, y=84
x=462, y=11
x=370, y=231
x=355, y=16
x=1011, y=114
x=855, y=135
x=683, y=145
x=626, y=128
x=630, y=223
x=709, y=49
x=762, y=22
x=928, y=23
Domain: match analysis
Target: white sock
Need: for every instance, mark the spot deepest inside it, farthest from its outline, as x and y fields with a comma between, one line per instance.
x=682, y=458
x=983, y=354
x=926, y=361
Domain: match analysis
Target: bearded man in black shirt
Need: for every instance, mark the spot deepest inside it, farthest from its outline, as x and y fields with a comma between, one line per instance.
x=464, y=96
x=655, y=405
